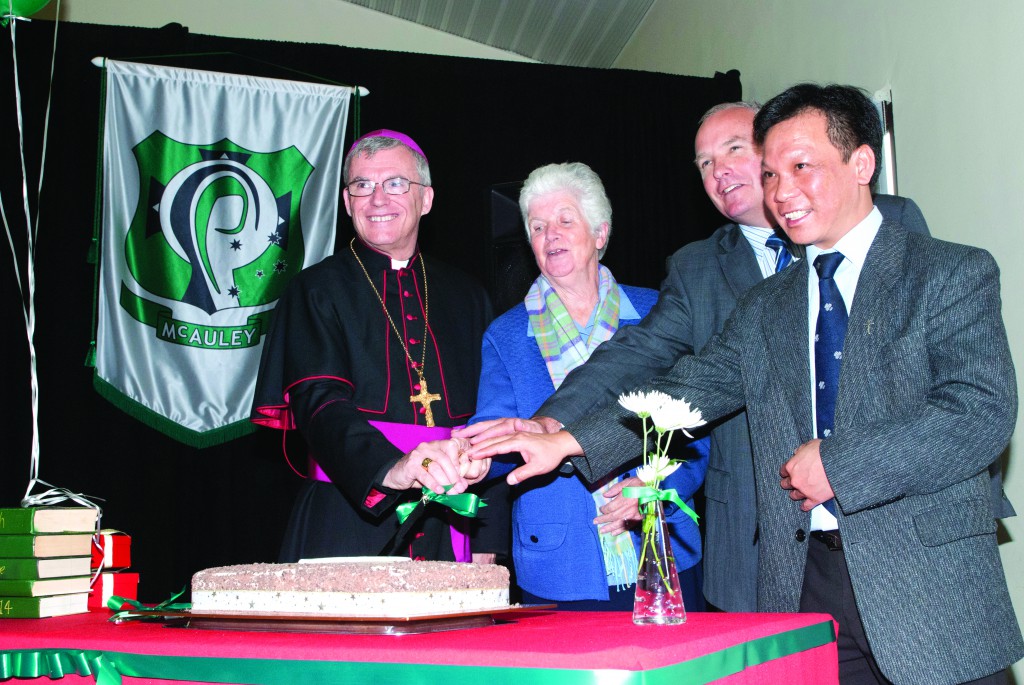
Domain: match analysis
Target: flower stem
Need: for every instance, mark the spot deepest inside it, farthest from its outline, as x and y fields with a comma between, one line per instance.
x=650, y=530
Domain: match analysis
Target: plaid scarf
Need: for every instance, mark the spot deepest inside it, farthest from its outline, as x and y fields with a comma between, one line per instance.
x=559, y=340
x=563, y=349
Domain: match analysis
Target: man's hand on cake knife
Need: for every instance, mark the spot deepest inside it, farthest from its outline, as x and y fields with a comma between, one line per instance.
x=431, y=465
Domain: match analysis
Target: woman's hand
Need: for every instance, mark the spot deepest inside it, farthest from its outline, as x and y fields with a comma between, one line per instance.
x=473, y=470
x=621, y=513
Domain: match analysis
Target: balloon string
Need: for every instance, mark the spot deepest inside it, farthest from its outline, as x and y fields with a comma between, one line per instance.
x=28, y=303
x=3, y=211
x=31, y=230
x=46, y=119
x=54, y=496
x=34, y=467
x=24, y=170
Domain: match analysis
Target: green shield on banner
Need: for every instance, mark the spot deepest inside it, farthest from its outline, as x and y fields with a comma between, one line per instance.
x=216, y=226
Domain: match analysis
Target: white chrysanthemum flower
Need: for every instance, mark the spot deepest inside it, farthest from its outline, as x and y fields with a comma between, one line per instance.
x=658, y=469
x=643, y=404
x=677, y=415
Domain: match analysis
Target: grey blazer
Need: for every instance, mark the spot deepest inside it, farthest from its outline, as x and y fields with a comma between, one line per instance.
x=705, y=280
x=927, y=401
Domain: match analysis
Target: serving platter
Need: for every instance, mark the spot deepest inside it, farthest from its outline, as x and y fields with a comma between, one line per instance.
x=346, y=625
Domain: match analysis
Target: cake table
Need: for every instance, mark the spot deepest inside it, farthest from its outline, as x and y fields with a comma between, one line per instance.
x=534, y=648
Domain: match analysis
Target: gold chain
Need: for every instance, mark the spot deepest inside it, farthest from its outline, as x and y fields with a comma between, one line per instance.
x=423, y=397
x=426, y=307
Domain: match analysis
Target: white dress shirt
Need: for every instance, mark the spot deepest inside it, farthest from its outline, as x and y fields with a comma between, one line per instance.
x=854, y=246
x=767, y=258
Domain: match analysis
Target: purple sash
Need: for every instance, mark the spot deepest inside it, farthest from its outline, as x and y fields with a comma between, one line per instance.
x=406, y=437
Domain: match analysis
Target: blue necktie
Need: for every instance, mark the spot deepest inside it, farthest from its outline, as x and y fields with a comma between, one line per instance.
x=783, y=255
x=829, y=334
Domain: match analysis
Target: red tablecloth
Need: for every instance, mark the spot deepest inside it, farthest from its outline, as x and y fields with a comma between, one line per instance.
x=541, y=648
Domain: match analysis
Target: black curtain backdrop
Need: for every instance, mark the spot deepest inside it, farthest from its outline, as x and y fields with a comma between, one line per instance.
x=481, y=123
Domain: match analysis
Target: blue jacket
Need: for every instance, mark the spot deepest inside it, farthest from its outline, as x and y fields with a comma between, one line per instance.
x=556, y=548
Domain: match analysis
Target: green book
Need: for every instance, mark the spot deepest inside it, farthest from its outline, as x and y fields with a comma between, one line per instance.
x=32, y=569
x=41, y=607
x=46, y=586
x=58, y=545
x=28, y=520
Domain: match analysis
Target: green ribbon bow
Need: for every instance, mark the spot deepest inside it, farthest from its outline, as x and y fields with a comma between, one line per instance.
x=648, y=494
x=146, y=612
x=465, y=504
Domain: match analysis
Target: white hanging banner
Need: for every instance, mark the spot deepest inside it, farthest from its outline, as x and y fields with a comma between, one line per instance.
x=217, y=189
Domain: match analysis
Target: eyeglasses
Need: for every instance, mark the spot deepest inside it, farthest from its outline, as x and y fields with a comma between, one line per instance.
x=392, y=186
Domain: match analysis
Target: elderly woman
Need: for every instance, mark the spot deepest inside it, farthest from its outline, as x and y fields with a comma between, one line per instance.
x=574, y=543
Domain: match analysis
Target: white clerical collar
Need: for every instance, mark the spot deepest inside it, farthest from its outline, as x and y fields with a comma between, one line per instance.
x=398, y=264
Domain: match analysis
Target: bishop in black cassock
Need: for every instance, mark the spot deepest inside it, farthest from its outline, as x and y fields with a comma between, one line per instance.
x=333, y=362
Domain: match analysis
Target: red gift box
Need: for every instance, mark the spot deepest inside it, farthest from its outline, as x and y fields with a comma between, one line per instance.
x=109, y=584
x=111, y=549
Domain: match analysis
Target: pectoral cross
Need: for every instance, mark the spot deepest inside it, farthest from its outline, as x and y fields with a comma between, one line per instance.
x=424, y=398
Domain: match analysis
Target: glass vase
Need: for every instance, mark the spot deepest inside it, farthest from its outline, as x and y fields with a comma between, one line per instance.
x=658, y=599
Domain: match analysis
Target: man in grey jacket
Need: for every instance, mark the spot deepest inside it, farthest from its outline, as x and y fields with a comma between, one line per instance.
x=879, y=512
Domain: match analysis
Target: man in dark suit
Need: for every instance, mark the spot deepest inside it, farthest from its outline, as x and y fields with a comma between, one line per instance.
x=705, y=279
x=884, y=517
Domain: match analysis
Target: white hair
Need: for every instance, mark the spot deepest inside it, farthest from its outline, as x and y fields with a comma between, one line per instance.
x=582, y=182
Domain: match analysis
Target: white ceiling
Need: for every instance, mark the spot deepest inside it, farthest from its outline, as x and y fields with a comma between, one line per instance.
x=581, y=33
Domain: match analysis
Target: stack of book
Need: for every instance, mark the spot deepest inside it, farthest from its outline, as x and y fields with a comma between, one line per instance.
x=111, y=557
x=45, y=555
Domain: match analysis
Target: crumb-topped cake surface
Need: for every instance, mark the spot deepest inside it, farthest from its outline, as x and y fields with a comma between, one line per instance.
x=360, y=576
x=367, y=588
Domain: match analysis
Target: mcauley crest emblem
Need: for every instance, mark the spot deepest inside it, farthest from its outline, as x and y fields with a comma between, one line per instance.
x=217, y=229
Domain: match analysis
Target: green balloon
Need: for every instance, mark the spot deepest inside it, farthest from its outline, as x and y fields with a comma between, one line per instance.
x=22, y=8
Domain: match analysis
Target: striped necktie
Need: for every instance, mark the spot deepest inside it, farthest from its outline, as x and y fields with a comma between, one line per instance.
x=829, y=334
x=782, y=254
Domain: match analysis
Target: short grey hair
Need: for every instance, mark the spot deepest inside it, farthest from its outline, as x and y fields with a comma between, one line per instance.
x=582, y=182
x=752, y=105
x=371, y=146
